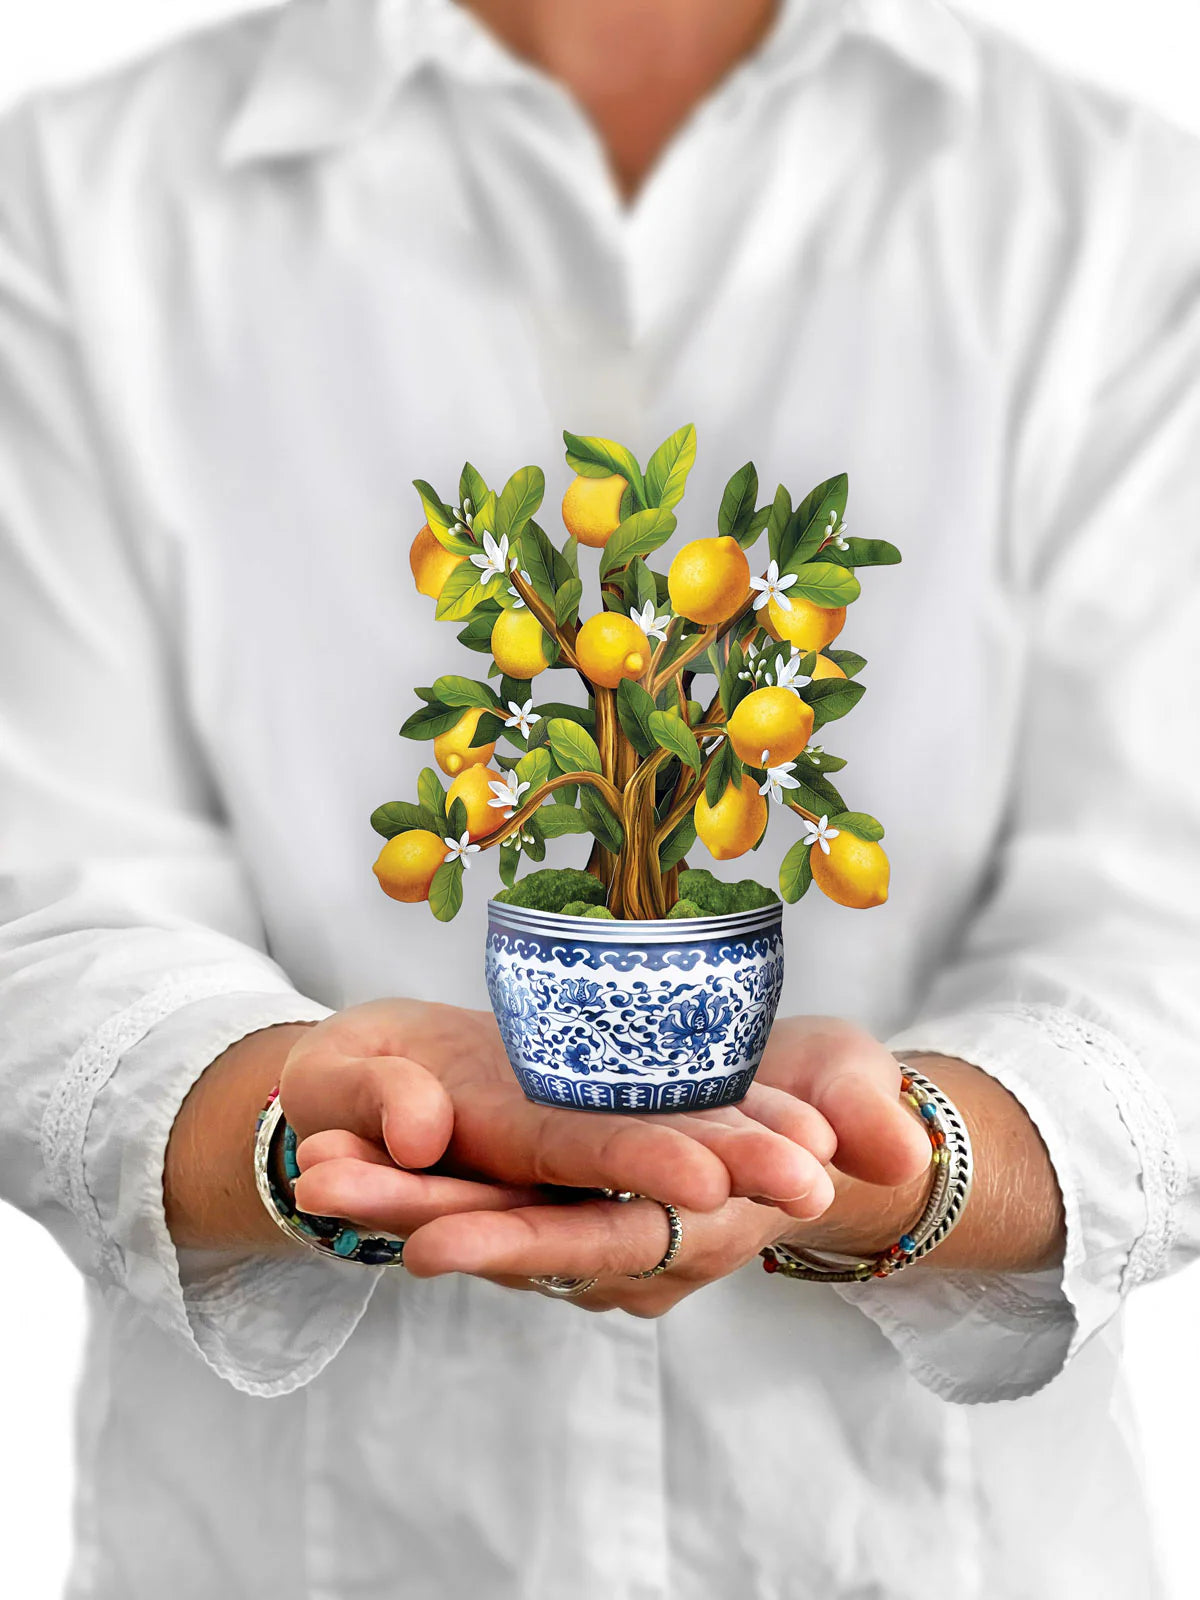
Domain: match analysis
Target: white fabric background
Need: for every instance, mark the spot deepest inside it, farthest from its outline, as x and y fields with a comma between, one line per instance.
x=1148, y=51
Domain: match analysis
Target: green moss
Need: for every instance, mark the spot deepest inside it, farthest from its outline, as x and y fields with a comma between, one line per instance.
x=553, y=888
x=580, y=908
x=718, y=899
x=684, y=908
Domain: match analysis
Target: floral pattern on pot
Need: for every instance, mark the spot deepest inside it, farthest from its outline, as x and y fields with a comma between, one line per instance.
x=603, y=1022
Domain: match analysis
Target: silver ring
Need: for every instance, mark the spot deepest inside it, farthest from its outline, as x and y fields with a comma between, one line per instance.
x=565, y=1288
x=676, y=1239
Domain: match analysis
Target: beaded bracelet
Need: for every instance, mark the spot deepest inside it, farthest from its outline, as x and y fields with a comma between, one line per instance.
x=329, y=1235
x=953, y=1168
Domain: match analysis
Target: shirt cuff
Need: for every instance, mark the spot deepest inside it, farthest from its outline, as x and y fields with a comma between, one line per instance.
x=265, y=1324
x=1116, y=1154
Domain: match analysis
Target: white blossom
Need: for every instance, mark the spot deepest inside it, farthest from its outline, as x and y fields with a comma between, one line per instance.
x=839, y=537
x=652, y=626
x=460, y=849
x=778, y=779
x=771, y=587
x=788, y=674
x=507, y=792
x=492, y=560
x=747, y=674
x=521, y=718
x=820, y=833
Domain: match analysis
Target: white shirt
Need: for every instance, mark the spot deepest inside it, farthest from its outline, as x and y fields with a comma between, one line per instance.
x=252, y=287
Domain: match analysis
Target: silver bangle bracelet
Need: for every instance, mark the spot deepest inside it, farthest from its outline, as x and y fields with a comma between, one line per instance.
x=949, y=1190
x=329, y=1236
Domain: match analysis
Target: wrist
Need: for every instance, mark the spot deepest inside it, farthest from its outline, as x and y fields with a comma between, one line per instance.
x=209, y=1192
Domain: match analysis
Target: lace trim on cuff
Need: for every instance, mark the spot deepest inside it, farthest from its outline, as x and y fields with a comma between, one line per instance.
x=65, y=1122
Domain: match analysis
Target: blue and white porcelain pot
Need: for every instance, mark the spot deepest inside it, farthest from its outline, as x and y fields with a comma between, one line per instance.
x=634, y=1016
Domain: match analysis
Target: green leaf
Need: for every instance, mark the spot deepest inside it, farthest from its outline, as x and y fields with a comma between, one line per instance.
x=816, y=794
x=427, y=722
x=811, y=523
x=850, y=663
x=860, y=823
x=519, y=499
x=399, y=816
x=462, y=592
x=635, y=708
x=795, y=872
x=453, y=690
x=738, y=501
x=533, y=841
x=732, y=688
x=471, y=487
x=566, y=602
x=543, y=563
x=865, y=553
x=777, y=521
x=823, y=763
x=456, y=818
x=755, y=526
x=477, y=635
x=574, y=748
x=672, y=732
x=432, y=797
x=822, y=582
x=676, y=845
x=668, y=468
x=593, y=457
x=441, y=519
x=445, y=892
x=558, y=820
x=534, y=768
x=638, y=535
x=510, y=860
x=832, y=698
x=583, y=715
x=570, y=556
x=488, y=729
x=600, y=820
x=640, y=587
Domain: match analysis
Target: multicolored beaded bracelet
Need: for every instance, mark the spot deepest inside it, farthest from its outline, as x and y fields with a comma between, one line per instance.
x=329, y=1235
x=952, y=1167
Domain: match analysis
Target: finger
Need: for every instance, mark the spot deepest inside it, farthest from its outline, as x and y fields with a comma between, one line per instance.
x=854, y=1081
x=794, y=1118
x=760, y=1162
x=400, y=1202
x=500, y=1133
x=385, y=1099
x=589, y=1239
x=334, y=1143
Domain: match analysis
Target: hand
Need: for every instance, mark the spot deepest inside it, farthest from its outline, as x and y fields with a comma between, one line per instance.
x=382, y=1092
x=880, y=1172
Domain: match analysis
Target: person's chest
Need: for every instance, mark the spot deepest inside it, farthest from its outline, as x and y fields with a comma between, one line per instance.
x=314, y=336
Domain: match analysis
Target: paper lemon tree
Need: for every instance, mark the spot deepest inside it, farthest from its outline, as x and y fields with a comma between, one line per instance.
x=651, y=761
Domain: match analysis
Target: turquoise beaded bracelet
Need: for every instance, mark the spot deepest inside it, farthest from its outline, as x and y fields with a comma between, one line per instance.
x=329, y=1235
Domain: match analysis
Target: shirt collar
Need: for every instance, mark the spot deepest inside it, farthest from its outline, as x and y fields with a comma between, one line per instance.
x=330, y=68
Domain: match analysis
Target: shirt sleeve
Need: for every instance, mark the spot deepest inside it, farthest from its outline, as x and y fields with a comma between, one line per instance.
x=131, y=948
x=1077, y=984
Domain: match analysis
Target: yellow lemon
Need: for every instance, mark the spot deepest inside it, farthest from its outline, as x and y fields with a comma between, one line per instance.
x=611, y=646
x=591, y=508
x=431, y=564
x=472, y=788
x=807, y=626
x=519, y=644
x=824, y=668
x=453, y=751
x=854, y=873
x=406, y=864
x=772, y=719
x=709, y=580
x=735, y=824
